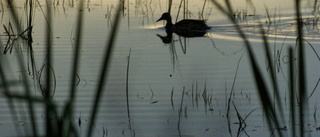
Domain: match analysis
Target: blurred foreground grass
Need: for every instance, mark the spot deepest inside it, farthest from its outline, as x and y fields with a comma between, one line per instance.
x=61, y=123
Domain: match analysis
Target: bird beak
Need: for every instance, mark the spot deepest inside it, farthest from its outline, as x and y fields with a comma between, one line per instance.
x=159, y=19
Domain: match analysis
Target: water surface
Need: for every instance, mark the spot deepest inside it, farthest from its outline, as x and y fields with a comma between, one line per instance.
x=176, y=89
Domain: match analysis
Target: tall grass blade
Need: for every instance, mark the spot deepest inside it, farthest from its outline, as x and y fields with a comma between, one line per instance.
x=170, y=5
x=272, y=72
x=68, y=111
x=273, y=120
x=51, y=117
x=15, y=17
x=301, y=70
x=104, y=69
x=76, y=56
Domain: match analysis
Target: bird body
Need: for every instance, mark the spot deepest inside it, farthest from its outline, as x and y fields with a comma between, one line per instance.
x=184, y=25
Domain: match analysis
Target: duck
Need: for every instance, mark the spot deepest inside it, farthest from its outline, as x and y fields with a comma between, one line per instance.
x=183, y=25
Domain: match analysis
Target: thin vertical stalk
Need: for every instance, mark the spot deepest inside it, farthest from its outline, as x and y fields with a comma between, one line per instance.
x=180, y=109
x=292, y=91
x=180, y=5
x=48, y=104
x=29, y=24
x=127, y=97
x=30, y=103
x=204, y=5
x=184, y=9
x=170, y=5
x=301, y=69
x=127, y=86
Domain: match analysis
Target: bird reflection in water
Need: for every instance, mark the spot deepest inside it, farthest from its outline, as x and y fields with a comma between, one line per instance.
x=186, y=34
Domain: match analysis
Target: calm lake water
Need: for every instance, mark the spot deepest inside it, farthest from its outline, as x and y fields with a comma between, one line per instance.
x=176, y=89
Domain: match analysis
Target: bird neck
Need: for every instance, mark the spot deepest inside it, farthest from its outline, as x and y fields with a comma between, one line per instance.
x=169, y=23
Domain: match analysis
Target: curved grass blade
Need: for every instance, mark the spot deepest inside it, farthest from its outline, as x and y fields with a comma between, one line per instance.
x=104, y=69
x=272, y=118
x=68, y=108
